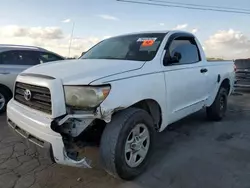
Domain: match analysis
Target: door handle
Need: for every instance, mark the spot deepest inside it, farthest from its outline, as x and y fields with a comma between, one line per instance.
x=203, y=70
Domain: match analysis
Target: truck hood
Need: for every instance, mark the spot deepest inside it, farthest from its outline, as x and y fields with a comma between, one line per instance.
x=84, y=71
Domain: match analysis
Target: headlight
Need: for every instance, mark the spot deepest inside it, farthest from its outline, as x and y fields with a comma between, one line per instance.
x=85, y=96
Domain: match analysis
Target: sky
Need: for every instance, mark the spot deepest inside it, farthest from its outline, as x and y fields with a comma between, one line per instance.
x=48, y=24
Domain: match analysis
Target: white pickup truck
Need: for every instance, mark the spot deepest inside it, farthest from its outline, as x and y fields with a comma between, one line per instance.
x=118, y=96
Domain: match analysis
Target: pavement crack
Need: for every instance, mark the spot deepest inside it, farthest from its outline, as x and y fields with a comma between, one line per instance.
x=34, y=181
x=18, y=177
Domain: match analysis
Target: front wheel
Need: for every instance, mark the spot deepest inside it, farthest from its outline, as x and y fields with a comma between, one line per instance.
x=4, y=99
x=127, y=143
x=218, y=109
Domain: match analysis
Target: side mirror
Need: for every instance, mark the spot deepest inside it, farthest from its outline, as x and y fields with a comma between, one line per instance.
x=174, y=59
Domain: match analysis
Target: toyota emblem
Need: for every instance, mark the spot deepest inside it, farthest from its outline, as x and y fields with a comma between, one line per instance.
x=27, y=95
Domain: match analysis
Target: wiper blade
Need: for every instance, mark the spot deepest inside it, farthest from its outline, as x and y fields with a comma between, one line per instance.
x=109, y=57
x=103, y=57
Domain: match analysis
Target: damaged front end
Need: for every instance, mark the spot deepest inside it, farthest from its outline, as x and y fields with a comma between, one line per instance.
x=81, y=134
x=81, y=128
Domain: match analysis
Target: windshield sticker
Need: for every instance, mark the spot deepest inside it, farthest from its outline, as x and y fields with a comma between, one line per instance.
x=146, y=39
x=147, y=43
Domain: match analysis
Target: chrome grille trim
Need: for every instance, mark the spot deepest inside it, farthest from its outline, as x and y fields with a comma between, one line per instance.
x=40, y=99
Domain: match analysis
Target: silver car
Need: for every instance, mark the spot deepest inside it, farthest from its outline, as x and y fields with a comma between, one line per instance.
x=15, y=59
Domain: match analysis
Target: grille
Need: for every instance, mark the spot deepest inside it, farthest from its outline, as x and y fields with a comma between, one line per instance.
x=39, y=99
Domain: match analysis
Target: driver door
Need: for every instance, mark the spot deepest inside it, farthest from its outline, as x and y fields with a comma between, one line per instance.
x=184, y=77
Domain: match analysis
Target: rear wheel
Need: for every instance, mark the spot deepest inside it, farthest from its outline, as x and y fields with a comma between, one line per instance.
x=127, y=143
x=219, y=107
x=4, y=99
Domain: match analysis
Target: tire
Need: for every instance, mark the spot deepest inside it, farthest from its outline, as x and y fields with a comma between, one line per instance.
x=114, y=138
x=216, y=112
x=4, y=99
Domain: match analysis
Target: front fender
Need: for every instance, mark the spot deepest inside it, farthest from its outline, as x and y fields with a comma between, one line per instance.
x=128, y=91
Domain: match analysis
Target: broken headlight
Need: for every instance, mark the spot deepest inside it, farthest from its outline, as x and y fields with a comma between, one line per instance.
x=80, y=97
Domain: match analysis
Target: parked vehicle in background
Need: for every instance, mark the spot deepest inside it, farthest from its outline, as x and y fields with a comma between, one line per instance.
x=118, y=95
x=242, y=74
x=15, y=59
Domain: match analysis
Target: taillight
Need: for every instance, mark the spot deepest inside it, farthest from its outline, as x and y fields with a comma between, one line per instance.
x=235, y=68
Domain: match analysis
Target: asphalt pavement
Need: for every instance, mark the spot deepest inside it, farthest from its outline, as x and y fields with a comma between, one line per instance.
x=191, y=153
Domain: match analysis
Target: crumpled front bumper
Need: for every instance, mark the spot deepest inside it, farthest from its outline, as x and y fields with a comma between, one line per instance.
x=36, y=128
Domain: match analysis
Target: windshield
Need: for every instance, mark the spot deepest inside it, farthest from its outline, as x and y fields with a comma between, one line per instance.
x=139, y=47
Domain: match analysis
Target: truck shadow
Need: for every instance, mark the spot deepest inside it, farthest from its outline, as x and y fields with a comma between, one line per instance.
x=188, y=139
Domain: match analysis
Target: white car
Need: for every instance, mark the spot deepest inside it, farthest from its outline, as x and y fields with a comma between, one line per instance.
x=118, y=96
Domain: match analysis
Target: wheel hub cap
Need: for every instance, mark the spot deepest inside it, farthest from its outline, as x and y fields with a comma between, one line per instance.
x=137, y=145
x=2, y=101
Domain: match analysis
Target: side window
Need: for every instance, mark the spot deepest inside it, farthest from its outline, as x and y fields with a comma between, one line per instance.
x=10, y=58
x=45, y=57
x=19, y=58
x=183, y=50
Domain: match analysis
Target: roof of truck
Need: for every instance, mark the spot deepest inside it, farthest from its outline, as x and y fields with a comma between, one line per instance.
x=157, y=31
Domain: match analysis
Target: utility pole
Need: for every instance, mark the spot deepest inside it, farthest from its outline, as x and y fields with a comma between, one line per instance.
x=71, y=37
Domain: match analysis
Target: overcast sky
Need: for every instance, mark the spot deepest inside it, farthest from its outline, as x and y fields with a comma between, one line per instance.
x=40, y=22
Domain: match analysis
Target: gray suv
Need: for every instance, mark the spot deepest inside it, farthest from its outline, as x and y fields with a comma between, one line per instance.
x=15, y=59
